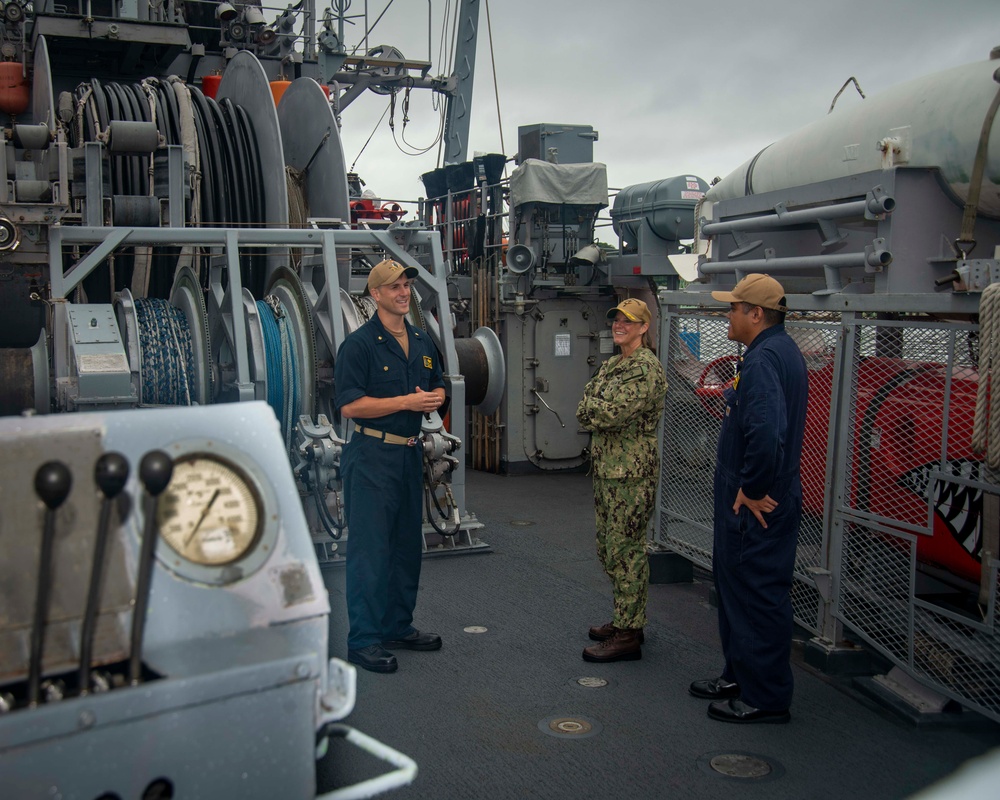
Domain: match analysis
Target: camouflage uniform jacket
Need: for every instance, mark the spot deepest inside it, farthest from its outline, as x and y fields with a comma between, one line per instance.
x=621, y=407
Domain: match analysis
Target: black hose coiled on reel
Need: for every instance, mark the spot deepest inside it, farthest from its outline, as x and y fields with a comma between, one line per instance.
x=223, y=156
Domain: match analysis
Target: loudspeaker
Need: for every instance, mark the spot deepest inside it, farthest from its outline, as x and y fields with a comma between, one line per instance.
x=520, y=258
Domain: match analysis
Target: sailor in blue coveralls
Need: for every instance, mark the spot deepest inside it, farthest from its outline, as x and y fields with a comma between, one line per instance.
x=758, y=504
x=387, y=375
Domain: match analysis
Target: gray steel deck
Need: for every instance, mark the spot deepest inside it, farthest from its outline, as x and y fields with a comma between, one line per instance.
x=469, y=714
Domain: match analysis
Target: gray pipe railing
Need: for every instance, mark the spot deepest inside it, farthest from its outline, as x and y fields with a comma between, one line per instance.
x=873, y=204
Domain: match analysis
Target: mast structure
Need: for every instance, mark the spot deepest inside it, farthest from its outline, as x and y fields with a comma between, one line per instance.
x=459, y=107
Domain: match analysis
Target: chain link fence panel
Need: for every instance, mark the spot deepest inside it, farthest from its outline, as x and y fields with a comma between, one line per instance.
x=701, y=363
x=909, y=527
x=893, y=495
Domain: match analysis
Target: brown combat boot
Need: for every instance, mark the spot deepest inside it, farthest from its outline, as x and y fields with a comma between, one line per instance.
x=622, y=646
x=600, y=633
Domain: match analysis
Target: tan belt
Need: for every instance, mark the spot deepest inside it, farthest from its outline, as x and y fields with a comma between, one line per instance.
x=388, y=438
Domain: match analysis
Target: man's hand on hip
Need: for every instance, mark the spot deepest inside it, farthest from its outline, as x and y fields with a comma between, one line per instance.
x=758, y=507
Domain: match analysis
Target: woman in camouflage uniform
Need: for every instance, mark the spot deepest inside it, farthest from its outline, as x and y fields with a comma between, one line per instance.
x=621, y=407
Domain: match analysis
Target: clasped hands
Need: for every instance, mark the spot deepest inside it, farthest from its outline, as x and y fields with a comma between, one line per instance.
x=424, y=402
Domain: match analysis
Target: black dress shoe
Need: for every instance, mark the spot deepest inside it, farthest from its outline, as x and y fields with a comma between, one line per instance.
x=735, y=710
x=373, y=658
x=415, y=641
x=714, y=689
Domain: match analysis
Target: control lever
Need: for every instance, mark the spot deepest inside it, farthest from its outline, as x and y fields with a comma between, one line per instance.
x=53, y=482
x=110, y=474
x=155, y=471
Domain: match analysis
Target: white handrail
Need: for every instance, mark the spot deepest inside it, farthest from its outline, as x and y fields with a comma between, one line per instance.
x=405, y=772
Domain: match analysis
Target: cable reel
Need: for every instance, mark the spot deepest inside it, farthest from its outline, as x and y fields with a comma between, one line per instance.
x=167, y=344
x=288, y=338
x=161, y=344
x=233, y=143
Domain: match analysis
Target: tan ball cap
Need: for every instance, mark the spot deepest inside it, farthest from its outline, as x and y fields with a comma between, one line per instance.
x=633, y=308
x=757, y=290
x=388, y=271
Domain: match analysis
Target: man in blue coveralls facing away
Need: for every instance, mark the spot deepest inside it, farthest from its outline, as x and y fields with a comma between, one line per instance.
x=387, y=375
x=758, y=504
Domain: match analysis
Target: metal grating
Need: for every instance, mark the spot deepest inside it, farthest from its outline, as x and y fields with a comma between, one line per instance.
x=702, y=362
x=903, y=438
x=893, y=496
x=956, y=657
x=806, y=604
x=875, y=587
x=911, y=508
x=817, y=338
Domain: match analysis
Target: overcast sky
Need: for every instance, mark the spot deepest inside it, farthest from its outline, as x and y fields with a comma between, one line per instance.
x=671, y=87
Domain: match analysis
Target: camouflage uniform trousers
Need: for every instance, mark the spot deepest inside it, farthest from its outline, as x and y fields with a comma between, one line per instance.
x=623, y=507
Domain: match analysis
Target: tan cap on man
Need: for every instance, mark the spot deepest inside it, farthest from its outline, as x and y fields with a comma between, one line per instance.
x=388, y=271
x=757, y=290
x=633, y=308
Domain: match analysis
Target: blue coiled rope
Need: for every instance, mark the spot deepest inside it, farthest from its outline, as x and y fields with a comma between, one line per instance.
x=167, y=353
x=283, y=390
x=168, y=359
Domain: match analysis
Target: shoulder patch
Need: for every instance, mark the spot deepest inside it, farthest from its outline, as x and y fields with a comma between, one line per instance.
x=428, y=362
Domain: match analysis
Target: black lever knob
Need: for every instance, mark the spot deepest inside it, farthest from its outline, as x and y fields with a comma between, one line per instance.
x=52, y=483
x=111, y=474
x=155, y=471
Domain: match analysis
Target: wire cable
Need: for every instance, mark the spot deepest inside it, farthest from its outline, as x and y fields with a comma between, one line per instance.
x=376, y=22
x=358, y=156
x=496, y=86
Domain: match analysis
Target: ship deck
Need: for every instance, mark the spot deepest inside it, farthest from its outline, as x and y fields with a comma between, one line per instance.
x=472, y=715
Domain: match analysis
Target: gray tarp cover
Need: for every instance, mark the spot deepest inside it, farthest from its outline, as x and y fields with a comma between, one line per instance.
x=537, y=181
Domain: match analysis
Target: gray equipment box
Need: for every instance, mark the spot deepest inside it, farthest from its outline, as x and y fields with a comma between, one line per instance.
x=666, y=206
x=558, y=144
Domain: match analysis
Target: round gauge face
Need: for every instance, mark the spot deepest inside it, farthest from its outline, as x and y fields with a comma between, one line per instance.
x=210, y=512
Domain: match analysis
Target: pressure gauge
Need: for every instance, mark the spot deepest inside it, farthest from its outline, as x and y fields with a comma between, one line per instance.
x=211, y=513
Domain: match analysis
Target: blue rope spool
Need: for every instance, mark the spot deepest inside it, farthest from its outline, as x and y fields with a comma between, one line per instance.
x=283, y=393
x=167, y=353
x=272, y=351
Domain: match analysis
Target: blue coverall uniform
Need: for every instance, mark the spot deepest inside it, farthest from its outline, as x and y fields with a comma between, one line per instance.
x=760, y=448
x=383, y=482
